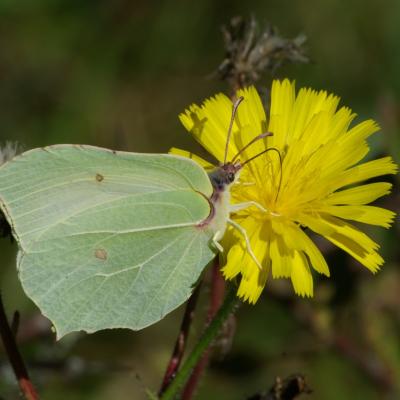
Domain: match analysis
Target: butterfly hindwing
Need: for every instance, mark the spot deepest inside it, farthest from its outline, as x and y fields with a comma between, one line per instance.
x=107, y=239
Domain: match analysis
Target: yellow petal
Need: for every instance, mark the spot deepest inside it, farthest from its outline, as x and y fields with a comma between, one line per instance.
x=365, y=214
x=179, y=152
x=362, y=172
x=297, y=239
x=239, y=260
x=281, y=257
x=340, y=123
x=311, y=135
x=342, y=157
x=347, y=237
x=309, y=103
x=361, y=131
x=252, y=285
x=234, y=261
x=251, y=113
x=363, y=194
x=282, y=101
x=209, y=125
x=302, y=280
x=191, y=118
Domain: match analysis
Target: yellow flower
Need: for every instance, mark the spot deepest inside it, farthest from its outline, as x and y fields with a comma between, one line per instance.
x=316, y=187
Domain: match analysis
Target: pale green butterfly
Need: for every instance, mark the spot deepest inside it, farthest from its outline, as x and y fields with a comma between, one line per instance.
x=113, y=239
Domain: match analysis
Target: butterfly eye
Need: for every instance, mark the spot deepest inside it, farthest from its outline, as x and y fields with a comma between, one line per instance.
x=231, y=177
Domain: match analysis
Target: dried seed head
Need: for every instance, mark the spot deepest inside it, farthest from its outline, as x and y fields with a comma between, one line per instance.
x=250, y=52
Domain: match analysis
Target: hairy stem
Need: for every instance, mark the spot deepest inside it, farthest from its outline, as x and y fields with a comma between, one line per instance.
x=14, y=356
x=202, y=345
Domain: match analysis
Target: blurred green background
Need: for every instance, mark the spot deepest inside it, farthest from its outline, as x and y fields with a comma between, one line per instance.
x=116, y=74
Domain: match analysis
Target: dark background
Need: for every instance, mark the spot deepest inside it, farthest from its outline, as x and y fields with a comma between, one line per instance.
x=116, y=74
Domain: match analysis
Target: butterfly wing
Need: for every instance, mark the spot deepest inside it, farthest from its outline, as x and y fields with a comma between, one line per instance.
x=106, y=239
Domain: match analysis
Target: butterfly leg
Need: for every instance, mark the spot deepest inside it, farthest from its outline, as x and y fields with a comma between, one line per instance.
x=241, y=206
x=215, y=242
x=247, y=240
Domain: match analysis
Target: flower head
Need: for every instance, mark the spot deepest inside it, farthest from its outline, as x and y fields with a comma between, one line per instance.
x=313, y=181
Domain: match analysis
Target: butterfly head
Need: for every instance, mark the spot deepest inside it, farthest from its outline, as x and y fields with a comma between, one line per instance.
x=224, y=175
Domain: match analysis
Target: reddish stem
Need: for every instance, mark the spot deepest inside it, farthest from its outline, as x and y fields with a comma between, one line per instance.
x=216, y=297
x=181, y=341
x=15, y=358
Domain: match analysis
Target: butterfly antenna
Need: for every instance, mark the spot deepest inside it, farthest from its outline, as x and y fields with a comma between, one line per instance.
x=228, y=138
x=257, y=138
x=280, y=162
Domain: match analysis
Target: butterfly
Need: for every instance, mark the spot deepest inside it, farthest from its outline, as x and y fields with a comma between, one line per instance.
x=112, y=239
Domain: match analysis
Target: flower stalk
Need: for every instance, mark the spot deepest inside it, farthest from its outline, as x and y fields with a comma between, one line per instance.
x=202, y=345
x=181, y=341
x=216, y=298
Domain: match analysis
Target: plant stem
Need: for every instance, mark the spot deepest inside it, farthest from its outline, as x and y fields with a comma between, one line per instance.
x=208, y=336
x=14, y=356
x=181, y=341
x=216, y=298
